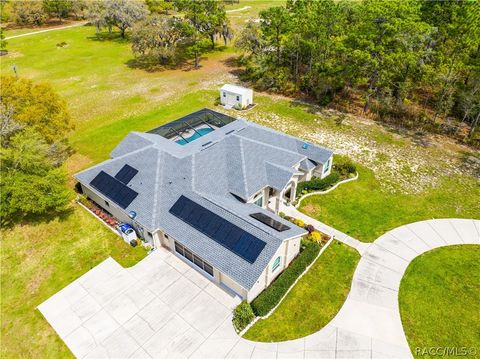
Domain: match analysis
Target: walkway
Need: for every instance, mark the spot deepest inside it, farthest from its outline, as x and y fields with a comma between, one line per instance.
x=47, y=30
x=161, y=308
x=291, y=211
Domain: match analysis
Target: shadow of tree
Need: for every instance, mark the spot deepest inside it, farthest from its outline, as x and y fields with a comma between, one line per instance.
x=47, y=217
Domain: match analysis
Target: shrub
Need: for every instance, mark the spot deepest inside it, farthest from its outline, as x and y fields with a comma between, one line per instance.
x=299, y=223
x=310, y=228
x=345, y=168
x=318, y=184
x=282, y=215
x=315, y=236
x=242, y=315
x=270, y=297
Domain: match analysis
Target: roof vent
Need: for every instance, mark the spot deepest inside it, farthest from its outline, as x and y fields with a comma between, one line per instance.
x=305, y=146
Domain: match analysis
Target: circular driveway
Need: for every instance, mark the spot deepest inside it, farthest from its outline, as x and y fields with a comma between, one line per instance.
x=162, y=308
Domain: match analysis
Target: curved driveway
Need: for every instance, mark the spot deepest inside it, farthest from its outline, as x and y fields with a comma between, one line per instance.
x=199, y=326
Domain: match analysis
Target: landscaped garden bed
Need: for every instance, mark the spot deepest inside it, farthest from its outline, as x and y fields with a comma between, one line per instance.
x=98, y=211
x=314, y=300
x=342, y=170
x=261, y=306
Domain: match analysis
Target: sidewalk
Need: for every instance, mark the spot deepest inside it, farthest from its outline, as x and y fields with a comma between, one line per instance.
x=291, y=211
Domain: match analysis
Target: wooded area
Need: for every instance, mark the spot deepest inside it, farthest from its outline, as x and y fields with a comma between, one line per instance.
x=412, y=63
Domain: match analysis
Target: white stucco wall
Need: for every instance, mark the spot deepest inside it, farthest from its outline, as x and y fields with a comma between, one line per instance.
x=287, y=251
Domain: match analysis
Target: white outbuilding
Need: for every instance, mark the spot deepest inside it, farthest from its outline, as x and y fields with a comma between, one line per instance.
x=236, y=96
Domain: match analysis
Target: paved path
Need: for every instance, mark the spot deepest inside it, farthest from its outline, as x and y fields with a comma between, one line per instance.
x=46, y=30
x=161, y=308
x=342, y=237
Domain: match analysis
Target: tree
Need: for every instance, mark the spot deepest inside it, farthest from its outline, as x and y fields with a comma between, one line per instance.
x=125, y=13
x=31, y=184
x=275, y=24
x=159, y=6
x=97, y=14
x=36, y=106
x=386, y=43
x=28, y=13
x=207, y=19
x=250, y=39
x=57, y=8
x=3, y=42
x=157, y=37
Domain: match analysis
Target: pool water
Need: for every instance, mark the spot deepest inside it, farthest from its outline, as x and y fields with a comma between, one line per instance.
x=199, y=132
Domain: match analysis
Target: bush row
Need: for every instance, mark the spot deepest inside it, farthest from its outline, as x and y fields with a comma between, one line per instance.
x=242, y=316
x=271, y=296
x=317, y=184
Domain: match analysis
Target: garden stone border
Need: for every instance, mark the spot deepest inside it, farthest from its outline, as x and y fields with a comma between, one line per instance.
x=299, y=202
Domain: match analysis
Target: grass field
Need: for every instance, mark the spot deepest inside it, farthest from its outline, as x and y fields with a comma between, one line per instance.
x=439, y=298
x=314, y=300
x=40, y=259
x=363, y=210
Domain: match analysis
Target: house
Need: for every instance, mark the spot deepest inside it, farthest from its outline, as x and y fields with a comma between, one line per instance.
x=208, y=187
x=233, y=96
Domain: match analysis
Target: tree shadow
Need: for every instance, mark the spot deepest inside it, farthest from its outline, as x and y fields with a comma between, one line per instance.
x=111, y=37
x=35, y=219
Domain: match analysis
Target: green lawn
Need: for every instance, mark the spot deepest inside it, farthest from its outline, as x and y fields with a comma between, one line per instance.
x=365, y=211
x=439, y=299
x=314, y=300
x=40, y=259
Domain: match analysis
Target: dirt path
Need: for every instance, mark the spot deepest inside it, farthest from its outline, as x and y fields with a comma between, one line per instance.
x=47, y=30
x=237, y=10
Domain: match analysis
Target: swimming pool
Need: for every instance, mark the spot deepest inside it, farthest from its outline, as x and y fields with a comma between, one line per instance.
x=199, y=132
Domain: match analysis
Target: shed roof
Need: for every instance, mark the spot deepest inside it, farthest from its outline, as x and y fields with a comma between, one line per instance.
x=236, y=89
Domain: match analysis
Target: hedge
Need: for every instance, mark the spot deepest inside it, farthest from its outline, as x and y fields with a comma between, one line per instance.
x=242, y=315
x=318, y=184
x=271, y=296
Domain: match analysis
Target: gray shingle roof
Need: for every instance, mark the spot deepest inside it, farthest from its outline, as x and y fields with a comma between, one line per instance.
x=242, y=159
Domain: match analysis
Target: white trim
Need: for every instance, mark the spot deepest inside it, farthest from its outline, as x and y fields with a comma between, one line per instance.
x=325, y=192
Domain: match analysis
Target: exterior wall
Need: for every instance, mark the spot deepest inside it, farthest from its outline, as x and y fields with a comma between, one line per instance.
x=117, y=212
x=319, y=171
x=287, y=251
x=234, y=286
x=231, y=99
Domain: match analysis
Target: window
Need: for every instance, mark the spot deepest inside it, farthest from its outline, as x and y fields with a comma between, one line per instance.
x=327, y=166
x=276, y=264
x=224, y=94
x=179, y=248
x=208, y=268
x=259, y=201
x=199, y=262
x=238, y=98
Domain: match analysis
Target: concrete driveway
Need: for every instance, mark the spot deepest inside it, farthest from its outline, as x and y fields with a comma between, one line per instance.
x=159, y=308
x=162, y=308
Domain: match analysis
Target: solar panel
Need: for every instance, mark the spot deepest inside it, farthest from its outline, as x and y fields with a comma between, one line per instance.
x=113, y=189
x=232, y=237
x=269, y=221
x=126, y=174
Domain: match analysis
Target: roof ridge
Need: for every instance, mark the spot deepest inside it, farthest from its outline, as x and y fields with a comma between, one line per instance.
x=156, y=190
x=271, y=146
x=244, y=169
